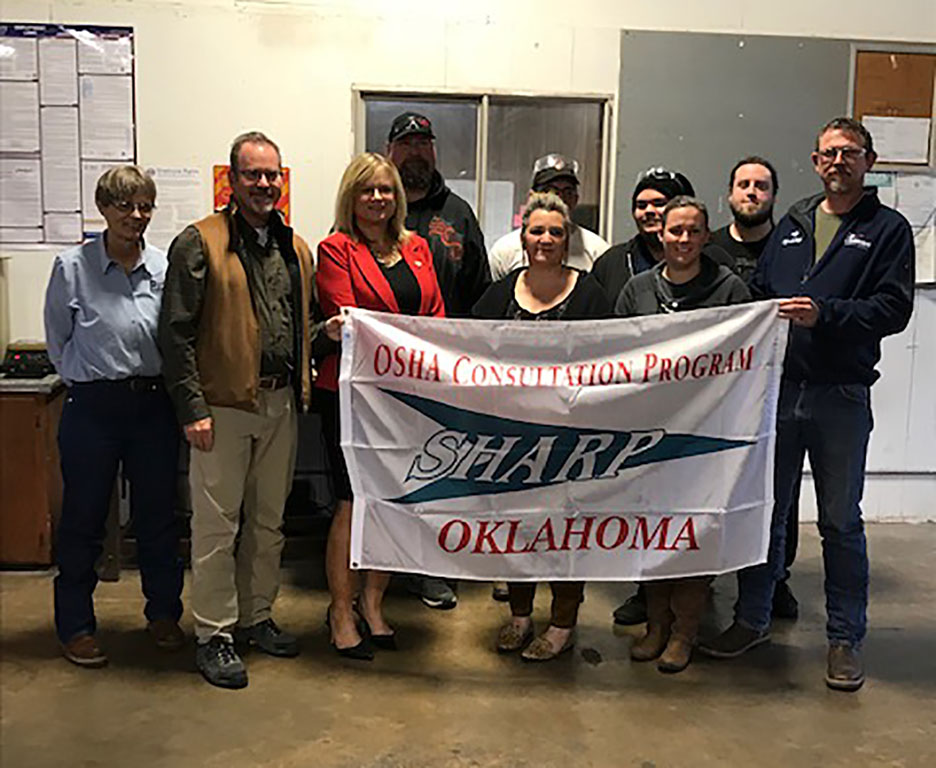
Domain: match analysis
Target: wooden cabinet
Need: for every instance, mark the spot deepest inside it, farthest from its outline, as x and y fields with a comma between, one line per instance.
x=30, y=475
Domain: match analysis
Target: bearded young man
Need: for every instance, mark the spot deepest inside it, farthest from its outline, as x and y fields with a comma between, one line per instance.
x=752, y=191
x=448, y=224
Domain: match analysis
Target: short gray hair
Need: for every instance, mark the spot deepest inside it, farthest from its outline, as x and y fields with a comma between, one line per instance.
x=122, y=183
x=251, y=137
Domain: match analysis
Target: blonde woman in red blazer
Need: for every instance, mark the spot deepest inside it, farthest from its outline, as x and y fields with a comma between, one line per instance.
x=370, y=261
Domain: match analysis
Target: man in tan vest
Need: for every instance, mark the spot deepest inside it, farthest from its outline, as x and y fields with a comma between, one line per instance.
x=235, y=332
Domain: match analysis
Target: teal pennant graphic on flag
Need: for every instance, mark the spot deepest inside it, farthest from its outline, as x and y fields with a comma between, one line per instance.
x=476, y=454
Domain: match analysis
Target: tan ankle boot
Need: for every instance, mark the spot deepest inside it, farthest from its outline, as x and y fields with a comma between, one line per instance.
x=688, y=601
x=659, y=621
x=677, y=655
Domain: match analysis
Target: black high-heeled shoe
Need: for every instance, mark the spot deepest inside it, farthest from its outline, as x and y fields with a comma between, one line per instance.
x=383, y=642
x=363, y=651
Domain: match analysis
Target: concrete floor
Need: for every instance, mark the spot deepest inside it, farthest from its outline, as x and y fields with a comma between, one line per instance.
x=446, y=700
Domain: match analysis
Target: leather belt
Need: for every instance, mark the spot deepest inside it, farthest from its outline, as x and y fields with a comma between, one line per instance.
x=133, y=383
x=277, y=381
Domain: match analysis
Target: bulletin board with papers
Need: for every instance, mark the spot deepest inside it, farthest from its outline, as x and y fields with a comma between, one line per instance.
x=66, y=116
x=893, y=98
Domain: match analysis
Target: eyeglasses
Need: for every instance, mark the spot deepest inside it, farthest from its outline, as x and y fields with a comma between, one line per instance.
x=849, y=154
x=253, y=175
x=125, y=207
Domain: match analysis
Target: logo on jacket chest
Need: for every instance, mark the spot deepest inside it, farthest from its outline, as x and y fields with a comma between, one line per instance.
x=794, y=238
x=854, y=240
x=443, y=232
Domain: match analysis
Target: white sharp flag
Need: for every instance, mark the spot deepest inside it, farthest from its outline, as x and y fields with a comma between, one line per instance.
x=593, y=450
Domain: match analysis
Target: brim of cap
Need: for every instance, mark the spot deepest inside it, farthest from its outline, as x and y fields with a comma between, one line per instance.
x=412, y=132
x=544, y=177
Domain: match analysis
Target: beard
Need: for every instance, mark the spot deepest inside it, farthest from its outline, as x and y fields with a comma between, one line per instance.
x=416, y=173
x=753, y=219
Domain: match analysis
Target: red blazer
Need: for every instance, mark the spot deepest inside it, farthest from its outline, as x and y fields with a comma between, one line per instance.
x=348, y=276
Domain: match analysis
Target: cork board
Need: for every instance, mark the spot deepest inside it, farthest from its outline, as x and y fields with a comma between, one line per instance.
x=894, y=84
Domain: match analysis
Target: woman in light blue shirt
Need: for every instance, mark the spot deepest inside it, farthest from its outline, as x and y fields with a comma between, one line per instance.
x=101, y=311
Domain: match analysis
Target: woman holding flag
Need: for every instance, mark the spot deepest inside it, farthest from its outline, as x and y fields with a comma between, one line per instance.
x=370, y=261
x=546, y=289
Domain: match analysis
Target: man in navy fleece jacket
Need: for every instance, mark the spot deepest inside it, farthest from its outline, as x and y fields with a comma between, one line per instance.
x=843, y=264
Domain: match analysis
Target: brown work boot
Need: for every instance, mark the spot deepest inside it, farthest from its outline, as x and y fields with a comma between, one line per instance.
x=845, y=672
x=659, y=622
x=84, y=651
x=690, y=597
x=167, y=634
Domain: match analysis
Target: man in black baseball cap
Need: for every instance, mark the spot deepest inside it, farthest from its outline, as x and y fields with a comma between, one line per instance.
x=558, y=174
x=460, y=259
x=654, y=189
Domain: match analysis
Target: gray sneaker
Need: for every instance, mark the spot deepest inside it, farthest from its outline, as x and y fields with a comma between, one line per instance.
x=434, y=593
x=219, y=663
x=733, y=642
x=845, y=671
x=269, y=638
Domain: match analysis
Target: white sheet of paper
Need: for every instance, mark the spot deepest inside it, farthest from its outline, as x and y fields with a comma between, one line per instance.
x=58, y=75
x=63, y=227
x=916, y=198
x=106, y=117
x=102, y=56
x=19, y=117
x=61, y=173
x=180, y=200
x=8, y=235
x=498, y=210
x=18, y=58
x=90, y=173
x=899, y=139
x=925, y=242
x=20, y=192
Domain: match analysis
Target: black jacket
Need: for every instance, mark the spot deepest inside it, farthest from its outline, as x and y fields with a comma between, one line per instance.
x=863, y=285
x=649, y=293
x=460, y=259
x=586, y=302
x=621, y=262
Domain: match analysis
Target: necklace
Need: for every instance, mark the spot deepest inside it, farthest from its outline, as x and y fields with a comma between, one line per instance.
x=385, y=254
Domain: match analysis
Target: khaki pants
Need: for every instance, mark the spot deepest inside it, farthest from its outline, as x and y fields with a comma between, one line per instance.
x=250, y=465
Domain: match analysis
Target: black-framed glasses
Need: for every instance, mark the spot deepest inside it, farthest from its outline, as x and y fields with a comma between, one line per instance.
x=125, y=207
x=849, y=154
x=253, y=175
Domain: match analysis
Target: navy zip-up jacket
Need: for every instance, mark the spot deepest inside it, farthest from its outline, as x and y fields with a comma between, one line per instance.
x=863, y=285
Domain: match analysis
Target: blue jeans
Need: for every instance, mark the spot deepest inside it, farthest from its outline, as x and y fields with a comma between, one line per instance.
x=104, y=424
x=832, y=423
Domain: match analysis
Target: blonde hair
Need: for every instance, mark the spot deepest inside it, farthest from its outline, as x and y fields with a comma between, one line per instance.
x=551, y=203
x=359, y=172
x=122, y=183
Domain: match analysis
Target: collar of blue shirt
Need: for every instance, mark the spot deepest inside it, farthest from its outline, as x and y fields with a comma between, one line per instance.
x=106, y=262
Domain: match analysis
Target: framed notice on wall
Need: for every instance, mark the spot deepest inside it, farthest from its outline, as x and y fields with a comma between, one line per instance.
x=66, y=116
